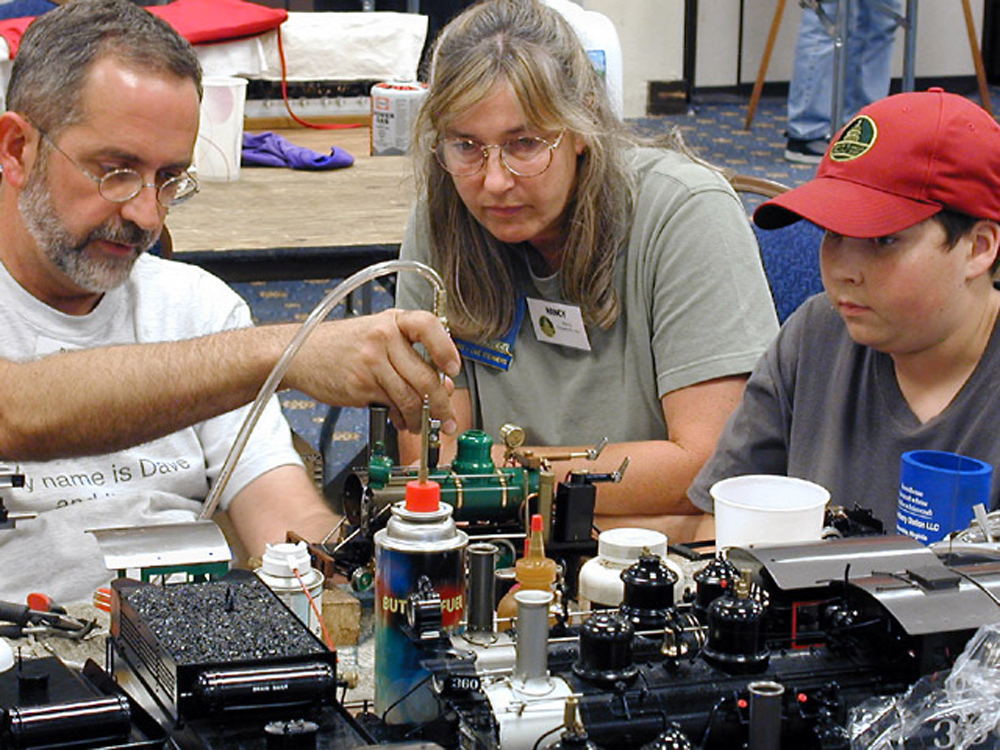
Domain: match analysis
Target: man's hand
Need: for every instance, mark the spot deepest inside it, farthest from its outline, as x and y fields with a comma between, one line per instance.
x=372, y=360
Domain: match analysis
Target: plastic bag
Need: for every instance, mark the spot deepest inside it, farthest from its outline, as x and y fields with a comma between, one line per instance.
x=957, y=710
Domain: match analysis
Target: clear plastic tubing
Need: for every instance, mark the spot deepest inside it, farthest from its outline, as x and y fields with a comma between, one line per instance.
x=319, y=313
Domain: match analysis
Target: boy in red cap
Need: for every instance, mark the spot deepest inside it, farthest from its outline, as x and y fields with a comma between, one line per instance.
x=901, y=352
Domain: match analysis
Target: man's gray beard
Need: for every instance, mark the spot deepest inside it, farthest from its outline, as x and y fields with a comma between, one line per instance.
x=68, y=253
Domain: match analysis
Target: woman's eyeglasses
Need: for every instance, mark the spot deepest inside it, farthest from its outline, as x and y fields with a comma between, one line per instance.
x=525, y=156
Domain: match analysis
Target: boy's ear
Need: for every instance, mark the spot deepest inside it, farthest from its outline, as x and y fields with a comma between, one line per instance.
x=984, y=248
x=18, y=148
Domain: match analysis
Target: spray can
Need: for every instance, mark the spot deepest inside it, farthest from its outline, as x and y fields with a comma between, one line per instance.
x=395, y=105
x=278, y=570
x=420, y=540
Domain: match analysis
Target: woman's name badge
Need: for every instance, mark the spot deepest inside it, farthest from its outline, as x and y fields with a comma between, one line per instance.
x=559, y=324
x=496, y=354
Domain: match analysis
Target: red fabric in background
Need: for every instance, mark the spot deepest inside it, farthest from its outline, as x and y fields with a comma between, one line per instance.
x=201, y=21
x=12, y=30
x=198, y=21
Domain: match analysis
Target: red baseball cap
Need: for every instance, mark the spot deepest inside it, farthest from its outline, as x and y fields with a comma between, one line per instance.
x=899, y=161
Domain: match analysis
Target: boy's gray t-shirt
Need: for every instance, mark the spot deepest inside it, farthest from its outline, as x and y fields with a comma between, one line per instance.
x=695, y=306
x=820, y=407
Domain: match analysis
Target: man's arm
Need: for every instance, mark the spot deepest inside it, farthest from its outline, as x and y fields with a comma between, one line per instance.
x=660, y=471
x=105, y=399
x=278, y=501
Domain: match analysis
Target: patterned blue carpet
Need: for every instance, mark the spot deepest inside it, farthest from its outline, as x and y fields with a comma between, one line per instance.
x=714, y=129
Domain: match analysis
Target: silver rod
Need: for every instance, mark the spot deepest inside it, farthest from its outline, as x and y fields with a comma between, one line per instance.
x=840, y=64
x=910, y=46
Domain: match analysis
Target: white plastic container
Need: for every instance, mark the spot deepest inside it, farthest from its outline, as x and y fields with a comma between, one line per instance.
x=6, y=656
x=219, y=147
x=600, y=39
x=618, y=549
x=395, y=106
x=277, y=570
x=767, y=509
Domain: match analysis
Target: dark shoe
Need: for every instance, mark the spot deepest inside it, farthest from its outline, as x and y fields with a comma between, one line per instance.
x=805, y=152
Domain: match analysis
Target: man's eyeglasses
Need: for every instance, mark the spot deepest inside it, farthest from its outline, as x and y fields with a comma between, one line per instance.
x=525, y=156
x=122, y=185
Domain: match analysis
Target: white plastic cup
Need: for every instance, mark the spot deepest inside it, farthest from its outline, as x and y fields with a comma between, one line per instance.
x=219, y=147
x=767, y=509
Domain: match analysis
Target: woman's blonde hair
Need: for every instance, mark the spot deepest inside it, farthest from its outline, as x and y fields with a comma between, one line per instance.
x=531, y=47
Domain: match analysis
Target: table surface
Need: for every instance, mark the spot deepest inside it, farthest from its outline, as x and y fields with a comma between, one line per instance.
x=270, y=208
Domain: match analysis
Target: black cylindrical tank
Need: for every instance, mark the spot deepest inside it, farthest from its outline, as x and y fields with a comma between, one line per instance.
x=714, y=580
x=606, y=649
x=736, y=635
x=648, y=601
x=107, y=719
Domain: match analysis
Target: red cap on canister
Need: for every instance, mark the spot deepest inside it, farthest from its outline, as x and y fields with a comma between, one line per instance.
x=423, y=497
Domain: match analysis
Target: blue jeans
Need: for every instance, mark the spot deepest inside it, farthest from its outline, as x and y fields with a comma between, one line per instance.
x=869, y=60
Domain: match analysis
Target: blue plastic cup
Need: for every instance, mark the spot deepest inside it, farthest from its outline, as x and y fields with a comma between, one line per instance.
x=937, y=491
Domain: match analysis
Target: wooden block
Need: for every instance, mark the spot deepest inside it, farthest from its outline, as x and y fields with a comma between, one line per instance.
x=342, y=616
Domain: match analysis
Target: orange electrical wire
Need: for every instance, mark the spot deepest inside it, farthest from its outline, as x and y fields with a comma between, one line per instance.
x=288, y=106
x=315, y=609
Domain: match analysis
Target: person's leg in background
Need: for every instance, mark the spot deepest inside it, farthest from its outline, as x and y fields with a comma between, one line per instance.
x=873, y=32
x=811, y=88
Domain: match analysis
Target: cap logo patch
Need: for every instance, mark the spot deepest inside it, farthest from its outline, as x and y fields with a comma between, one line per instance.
x=855, y=140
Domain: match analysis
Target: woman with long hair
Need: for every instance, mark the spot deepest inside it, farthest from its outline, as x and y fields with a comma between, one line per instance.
x=597, y=287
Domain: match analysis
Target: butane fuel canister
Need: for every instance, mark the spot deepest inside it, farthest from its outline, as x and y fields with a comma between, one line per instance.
x=420, y=540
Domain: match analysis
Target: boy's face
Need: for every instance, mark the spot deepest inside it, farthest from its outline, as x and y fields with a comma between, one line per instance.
x=899, y=294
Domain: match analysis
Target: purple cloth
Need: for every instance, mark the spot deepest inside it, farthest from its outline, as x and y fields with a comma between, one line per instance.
x=273, y=150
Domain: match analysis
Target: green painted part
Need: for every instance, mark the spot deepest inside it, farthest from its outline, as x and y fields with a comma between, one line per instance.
x=473, y=453
x=485, y=498
x=379, y=471
x=363, y=582
x=197, y=572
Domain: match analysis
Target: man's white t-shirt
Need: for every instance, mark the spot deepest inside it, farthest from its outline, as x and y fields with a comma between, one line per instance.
x=161, y=481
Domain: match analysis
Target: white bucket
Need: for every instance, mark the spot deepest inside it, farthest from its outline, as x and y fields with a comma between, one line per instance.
x=219, y=146
x=767, y=509
x=599, y=37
